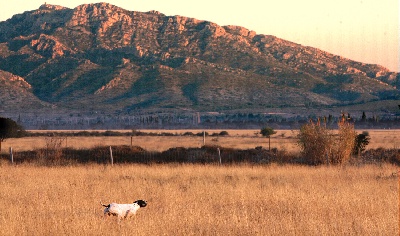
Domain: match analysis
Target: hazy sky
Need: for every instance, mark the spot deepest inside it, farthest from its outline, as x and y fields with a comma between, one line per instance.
x=362, y=30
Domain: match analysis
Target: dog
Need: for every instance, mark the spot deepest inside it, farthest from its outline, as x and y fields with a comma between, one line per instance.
x=123, y=211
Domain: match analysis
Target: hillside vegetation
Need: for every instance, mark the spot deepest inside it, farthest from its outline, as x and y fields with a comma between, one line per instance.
x=100, y=58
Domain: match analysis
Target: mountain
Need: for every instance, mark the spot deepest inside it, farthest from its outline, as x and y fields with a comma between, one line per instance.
x=102, y=58
x=15, y=92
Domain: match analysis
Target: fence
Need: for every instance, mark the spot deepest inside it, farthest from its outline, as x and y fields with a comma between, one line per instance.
x=135, y=154
x=203, y=155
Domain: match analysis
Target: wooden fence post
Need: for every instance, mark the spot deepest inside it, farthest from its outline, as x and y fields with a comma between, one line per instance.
x=327, y=158
x=111, y=157
x=204, y=138
x=219, y=156
x=131, y=141
x=11, y=156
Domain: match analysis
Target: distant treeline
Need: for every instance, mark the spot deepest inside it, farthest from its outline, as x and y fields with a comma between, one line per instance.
x=195, y=121
x=116, y=133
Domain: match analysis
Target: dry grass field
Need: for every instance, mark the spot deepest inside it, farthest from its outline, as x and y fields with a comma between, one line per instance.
x=201, y=200
x=241, y=139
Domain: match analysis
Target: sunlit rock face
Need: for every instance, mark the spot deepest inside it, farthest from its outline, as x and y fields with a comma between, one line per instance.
x=114, y=59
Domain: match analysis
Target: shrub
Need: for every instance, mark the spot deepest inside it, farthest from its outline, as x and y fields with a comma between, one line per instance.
x=344, y=143
x=202, y=134
x=315, y=141
x=188, y=134
x=53, y=148
x=362, y=140
x=320, y=145
x=382, y=155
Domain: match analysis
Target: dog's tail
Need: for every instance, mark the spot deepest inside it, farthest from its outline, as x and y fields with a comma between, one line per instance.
x=104, y=204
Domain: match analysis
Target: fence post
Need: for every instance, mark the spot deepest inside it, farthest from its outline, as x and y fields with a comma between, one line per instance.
x=204, y=138
x=111, y=157
x=327, y=153
x=219, y=156
x=11, y=155
x=131, y=141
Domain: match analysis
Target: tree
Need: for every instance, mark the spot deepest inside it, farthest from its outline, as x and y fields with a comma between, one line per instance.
x=362, y=140
x=330, y=119
x=267, y=132
x=363, y=117
x=9, y=129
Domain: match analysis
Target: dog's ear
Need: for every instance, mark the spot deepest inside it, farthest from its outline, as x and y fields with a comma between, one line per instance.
x=141, y=203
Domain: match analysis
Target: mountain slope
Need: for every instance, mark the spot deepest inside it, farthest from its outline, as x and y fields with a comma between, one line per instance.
x=102, y=57
x=16, y=94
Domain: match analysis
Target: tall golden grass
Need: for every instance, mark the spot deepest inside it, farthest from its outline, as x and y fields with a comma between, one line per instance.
x=200, y=200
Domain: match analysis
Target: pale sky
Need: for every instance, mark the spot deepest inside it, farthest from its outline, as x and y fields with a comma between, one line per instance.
x=362, y=30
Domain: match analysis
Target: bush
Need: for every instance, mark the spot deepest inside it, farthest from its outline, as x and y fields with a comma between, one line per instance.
x=202, y=134
x=188, y=134
x=315, y=141
x=320, y=145
x=344, y=143
x=362, y=140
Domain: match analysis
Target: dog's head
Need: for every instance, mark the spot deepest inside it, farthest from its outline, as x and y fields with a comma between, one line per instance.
x=141, y=203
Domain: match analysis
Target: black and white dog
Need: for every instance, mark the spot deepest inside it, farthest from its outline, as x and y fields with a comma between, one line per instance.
x=123, y=210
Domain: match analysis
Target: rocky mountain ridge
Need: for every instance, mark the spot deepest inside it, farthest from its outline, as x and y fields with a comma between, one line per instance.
x=100, y=57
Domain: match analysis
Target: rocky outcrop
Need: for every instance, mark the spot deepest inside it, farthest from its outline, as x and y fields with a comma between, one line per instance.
x=8, y=79
x=49, y=46
x=16, y=94
x=111, y=58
